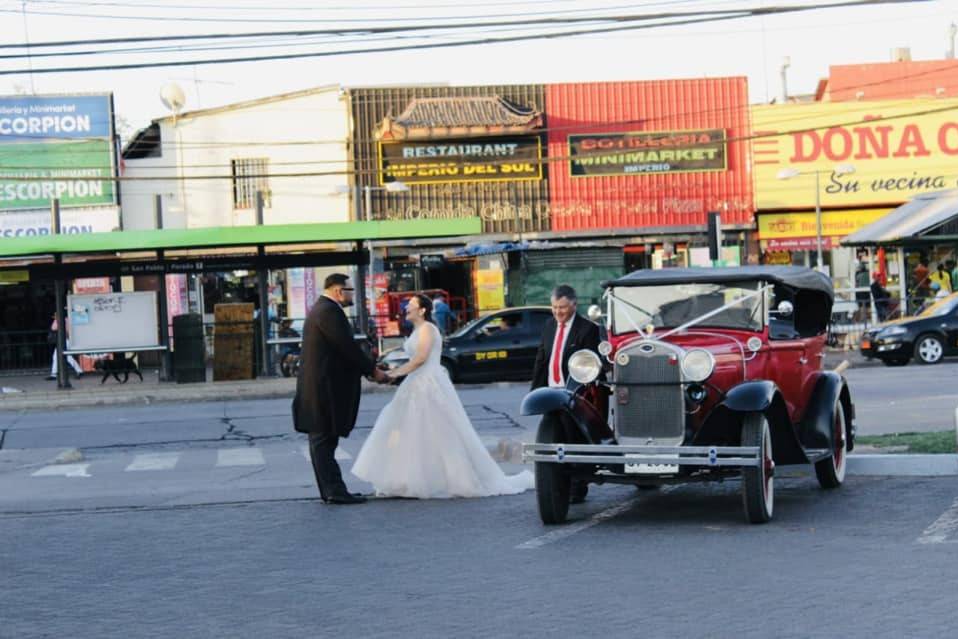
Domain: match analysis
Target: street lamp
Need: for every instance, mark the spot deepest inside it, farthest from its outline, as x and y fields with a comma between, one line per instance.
x=391, y=187
x=789, y=172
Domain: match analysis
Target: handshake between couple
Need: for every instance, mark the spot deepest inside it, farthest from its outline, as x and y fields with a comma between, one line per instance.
x=381, y=377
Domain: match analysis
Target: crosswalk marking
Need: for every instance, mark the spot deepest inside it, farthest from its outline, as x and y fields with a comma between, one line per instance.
x=341, y=455
x=63, y=470
x=239, y=457
x=154, y=461
x=944, y=529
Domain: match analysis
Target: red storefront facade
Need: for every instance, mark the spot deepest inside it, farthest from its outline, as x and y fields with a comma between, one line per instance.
x=651, y=157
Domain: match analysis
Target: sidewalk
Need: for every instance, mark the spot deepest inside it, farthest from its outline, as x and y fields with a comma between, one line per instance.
x=25, y=392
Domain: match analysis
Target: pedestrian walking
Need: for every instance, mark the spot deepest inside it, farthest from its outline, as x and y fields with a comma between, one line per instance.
x=52, y=338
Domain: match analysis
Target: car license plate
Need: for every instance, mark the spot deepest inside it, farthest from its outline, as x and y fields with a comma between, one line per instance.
x=653, y=469
x=866, y=344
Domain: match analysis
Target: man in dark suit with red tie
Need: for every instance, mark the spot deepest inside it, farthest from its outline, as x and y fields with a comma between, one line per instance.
x=563, y=335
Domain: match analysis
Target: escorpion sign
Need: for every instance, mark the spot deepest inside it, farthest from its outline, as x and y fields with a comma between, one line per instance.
x=56, y=147
x=899, y=149
x=645, y=152
x=461, y=160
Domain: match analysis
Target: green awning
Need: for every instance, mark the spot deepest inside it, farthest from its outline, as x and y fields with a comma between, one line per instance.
x=232, y=236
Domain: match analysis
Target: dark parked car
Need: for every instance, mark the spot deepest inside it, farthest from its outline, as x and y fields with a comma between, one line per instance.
x=927, y=337
x=497, y=347
x=714, y=374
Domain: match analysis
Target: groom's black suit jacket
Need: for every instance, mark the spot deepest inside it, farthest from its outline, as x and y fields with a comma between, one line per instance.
x=582, y=334
x=330, y=377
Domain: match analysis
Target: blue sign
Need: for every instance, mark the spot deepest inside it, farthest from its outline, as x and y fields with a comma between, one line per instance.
x=46, y=118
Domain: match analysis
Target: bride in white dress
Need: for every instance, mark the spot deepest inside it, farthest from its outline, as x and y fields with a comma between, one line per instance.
x=423, y=444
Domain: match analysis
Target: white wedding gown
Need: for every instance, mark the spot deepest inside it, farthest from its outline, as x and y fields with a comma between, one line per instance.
x=423, y=444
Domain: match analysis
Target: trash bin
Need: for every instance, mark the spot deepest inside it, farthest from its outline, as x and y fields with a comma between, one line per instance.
x=189, y=349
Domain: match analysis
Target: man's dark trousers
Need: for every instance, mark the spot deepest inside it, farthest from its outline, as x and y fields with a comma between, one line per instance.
x=322, y=454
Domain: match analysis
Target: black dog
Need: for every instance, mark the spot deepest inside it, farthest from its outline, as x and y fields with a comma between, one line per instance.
x=119, y=364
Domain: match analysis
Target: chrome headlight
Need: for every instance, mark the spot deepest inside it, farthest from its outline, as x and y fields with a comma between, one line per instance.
x=698, y=364
x=605, y=348
x=584, y=366
x=892, y=330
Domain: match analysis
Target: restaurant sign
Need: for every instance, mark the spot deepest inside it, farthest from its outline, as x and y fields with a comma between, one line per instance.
x=483, y=159
x=647, y=152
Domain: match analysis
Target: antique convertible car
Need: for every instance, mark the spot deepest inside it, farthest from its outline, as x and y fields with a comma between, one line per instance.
x=708, y=374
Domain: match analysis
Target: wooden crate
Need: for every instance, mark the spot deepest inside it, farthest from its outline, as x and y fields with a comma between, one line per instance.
x=233, y=342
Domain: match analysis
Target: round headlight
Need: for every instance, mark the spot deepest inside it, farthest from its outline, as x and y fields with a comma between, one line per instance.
x=604, y=348
x=698, y=364
x=584, y=366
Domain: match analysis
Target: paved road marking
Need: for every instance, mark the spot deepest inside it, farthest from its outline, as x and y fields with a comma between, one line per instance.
x=567, y=531
x=341, y=455
x=154, y=461
x=63, y=470
x=944, y=530
x=239, y=457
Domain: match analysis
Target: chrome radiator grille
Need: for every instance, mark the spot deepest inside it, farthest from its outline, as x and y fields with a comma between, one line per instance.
x=654, y=409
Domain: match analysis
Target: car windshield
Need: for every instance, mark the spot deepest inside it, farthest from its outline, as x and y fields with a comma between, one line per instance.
x=942, y=307
x=673, y=305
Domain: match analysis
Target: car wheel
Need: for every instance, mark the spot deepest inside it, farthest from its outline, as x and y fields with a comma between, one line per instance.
x=553, y=484
x=929, y=349
x=449, y=370
x=895, y=362
x=831, y=471
x=758, y=487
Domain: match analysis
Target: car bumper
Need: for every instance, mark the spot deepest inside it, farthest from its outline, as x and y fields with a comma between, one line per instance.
x=709, y=456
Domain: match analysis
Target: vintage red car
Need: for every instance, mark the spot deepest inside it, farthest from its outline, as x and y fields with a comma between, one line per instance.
x=707, y=374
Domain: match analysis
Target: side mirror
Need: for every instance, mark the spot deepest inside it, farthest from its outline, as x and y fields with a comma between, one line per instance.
x=785, y=308
x=595, y=312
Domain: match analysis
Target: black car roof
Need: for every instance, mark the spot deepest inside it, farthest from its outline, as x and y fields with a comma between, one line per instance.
x=797, y=277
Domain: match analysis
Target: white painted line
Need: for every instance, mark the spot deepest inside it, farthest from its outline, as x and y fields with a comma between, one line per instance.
x=562, y=533
x=239, y=457
x=63, y=470
x=341, y=455
x=153, y=461
x=944, y=530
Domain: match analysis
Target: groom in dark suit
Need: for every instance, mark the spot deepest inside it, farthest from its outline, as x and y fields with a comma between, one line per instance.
x=328, y=387
x=564, y=334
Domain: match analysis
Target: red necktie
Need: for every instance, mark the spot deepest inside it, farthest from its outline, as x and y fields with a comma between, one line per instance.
x=557, y=351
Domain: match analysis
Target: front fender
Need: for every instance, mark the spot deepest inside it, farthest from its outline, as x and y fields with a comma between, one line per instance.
x=545, y=400
x=751, y=396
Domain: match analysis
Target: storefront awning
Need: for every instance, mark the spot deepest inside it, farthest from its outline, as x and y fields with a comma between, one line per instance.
x=911, y=223
x=233, y=236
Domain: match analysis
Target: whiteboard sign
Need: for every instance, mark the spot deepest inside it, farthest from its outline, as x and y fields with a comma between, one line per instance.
x=112, y=321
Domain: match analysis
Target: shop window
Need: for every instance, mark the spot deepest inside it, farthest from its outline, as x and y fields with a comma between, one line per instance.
x=249, y=176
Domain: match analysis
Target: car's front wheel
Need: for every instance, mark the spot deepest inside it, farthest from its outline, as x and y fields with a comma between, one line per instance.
x=758, y=487
x=553, y=484
x=831, y=471
x=929, y=349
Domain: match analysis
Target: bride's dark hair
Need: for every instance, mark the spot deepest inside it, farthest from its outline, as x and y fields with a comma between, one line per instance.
x=425, y=304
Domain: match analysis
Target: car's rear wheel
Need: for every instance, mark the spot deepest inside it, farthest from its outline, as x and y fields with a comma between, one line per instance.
x=758, y=487
x=929, y=349
x=831, y=471
x=553, y=484
x=902, y=361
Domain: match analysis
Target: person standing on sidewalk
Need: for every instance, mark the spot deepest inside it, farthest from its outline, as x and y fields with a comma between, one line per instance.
x=53, y=339
x=329, y=384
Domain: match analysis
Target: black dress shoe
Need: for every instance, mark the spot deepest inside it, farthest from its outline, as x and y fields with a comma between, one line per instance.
x=345, y=499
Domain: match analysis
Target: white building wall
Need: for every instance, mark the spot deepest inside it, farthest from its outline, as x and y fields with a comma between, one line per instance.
x=302, y=134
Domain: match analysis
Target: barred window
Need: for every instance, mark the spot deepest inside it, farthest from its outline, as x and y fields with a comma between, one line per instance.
x=249, y=176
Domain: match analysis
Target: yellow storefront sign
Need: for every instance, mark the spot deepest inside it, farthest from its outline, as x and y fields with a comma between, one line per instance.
x=799, y=230
x=898, y=148
x=14, y=277
x=490, y=289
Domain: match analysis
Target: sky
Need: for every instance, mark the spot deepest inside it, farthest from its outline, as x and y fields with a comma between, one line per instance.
x=754, y=46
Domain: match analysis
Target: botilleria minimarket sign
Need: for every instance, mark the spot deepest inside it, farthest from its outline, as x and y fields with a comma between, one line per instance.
x=56, y=147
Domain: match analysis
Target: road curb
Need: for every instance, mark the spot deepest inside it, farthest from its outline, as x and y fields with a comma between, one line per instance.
x=903, y=465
